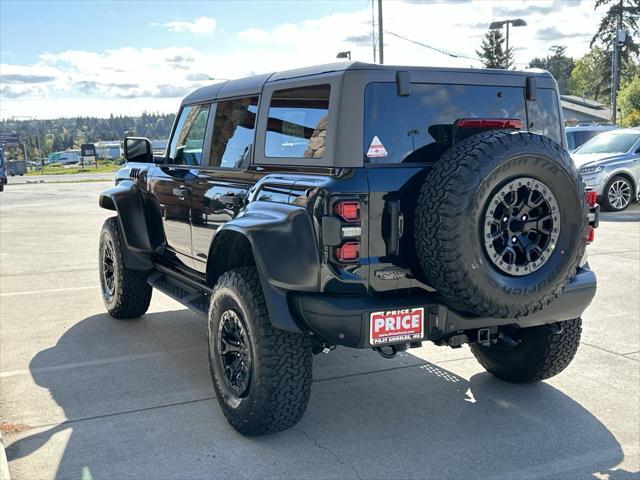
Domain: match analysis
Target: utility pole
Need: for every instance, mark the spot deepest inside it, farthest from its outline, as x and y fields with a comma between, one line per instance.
x=506, y=53
x=618, y=39
x=380, y=34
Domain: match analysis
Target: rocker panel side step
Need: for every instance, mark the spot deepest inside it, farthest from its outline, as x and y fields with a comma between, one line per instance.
x=188, y=296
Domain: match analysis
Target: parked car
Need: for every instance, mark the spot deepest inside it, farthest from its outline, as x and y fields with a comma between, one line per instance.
x=367, y=206
x=16, y=167
x=3, y=172
x=580, y=134
x=610, y=165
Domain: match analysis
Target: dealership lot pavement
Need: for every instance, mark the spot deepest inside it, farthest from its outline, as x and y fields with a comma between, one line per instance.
x=86, y=396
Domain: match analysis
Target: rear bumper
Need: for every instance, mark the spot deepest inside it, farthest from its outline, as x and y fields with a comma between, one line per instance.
x=344, y=320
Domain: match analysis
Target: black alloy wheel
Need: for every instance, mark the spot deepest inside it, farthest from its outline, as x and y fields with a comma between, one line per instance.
x=235, y=352
x=108, y=269
x=522, y=225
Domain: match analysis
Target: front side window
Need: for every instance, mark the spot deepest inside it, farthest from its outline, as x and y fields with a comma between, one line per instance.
x=233, y=131
x=420, y=127
x=188, y=138
x=297, y=124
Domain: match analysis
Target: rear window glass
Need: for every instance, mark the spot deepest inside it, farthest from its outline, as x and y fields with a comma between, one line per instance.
x=419, y=127
x=297, y=124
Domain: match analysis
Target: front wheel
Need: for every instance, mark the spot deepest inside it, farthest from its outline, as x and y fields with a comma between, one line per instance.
x=261, y=375
x=617, y=194
x=525, y=355
x=125, y=292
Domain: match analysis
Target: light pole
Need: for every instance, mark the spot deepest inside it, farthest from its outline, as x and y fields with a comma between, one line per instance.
x=516, y=22
x=380, y=34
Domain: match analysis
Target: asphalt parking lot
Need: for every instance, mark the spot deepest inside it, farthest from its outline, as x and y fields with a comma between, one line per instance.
x=86, y=396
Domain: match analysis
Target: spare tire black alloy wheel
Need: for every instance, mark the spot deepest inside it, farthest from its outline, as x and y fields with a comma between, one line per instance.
x=235, y=353
x=501, y=223
x=521, y=227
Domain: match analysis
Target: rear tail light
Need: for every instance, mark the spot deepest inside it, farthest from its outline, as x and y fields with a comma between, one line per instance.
x=348, y=210
x=348, y=252
x=511, y=123
x=592, y=197
x=591, y=234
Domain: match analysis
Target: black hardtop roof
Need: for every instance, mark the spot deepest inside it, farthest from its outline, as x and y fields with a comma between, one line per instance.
x=254, y=84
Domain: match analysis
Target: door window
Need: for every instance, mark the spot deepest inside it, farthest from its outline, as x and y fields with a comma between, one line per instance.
x=297, y=124
x=188, y=137
x=233, y=132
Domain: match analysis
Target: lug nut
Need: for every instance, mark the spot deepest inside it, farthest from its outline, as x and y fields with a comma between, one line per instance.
x=524, y=218
x=505, y=219
x=514, y=240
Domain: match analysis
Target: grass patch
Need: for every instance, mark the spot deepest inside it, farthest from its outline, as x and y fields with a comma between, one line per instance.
x=103, y=167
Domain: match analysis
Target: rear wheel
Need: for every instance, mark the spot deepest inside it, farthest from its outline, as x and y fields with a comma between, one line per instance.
x=617, y=194
x=524, y=355
x=125, y=292
x=261, y=375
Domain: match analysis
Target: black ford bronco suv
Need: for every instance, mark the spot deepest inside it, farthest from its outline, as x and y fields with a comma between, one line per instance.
x=358, y=205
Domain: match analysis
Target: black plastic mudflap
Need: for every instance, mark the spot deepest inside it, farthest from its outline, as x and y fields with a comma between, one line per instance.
x=357, y=321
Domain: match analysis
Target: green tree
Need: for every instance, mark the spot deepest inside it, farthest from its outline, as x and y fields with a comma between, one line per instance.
x=492, y=52
x=585, y=80
x=558, y=64
x=629, y=103
x=620, y=14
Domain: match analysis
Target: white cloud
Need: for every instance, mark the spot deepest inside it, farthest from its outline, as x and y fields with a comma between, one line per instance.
x=199, y=25
x=253, y=35
x=154, y=79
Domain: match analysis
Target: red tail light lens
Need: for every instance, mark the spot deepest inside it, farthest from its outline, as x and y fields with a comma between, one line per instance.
x=513, y=123
x=592, y=197
x=348, y=252
x=348, y=210
x=591, y=234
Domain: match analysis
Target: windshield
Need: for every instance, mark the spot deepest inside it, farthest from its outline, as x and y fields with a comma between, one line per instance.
x=610, y=143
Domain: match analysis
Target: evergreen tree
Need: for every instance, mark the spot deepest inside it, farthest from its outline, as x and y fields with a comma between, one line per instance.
x=559, y=65
x=621, y=14
x=492, y=51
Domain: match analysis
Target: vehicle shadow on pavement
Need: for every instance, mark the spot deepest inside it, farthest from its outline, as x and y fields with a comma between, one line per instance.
x=632, y=214
x=139, y=404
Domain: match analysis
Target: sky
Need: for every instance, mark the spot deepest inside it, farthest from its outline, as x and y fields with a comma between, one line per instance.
x=96, y=58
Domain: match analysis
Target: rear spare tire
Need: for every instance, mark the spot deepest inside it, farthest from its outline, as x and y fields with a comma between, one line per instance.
x=501, y=223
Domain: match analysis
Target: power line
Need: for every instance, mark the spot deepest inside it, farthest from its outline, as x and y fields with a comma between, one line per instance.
x=435, y=49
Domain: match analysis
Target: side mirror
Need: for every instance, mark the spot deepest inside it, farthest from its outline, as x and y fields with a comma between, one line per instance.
x=138, y=149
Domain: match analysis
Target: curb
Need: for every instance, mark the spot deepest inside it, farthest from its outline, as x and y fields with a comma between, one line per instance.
x=4, y=464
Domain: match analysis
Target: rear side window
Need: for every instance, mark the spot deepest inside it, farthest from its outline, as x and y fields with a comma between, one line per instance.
x=418, y=127
x=297, y=124
x=544, y=115
x=188, y=137
x=233, y=131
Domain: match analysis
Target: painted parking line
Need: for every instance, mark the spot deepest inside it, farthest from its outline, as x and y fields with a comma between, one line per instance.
x=51, y=290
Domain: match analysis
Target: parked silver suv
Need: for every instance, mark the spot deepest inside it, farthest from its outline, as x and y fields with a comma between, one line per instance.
x=610, y=165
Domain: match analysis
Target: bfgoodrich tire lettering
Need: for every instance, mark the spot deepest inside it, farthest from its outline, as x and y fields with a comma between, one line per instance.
x=125, y=292
x=450, y=218
x=280, y=362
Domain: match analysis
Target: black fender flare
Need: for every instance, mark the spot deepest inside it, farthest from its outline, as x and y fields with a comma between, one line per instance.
x=285, y=250
x=126, y=200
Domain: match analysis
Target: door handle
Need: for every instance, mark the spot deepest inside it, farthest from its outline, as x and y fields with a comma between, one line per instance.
x=181, y=192
x=230, y=199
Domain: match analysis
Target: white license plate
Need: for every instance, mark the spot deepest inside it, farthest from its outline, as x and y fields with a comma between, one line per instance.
x=392, y=326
